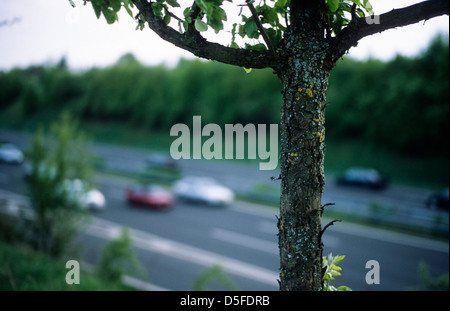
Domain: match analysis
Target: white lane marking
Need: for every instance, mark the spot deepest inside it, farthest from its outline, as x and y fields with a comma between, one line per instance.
x=151, y=242
x=244, y=240
x=347, y=228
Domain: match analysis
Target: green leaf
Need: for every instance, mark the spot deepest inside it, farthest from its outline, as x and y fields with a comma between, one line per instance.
x=187, y=15
x=110, y=16
x=333, y=5
x=157, y=9
x=200, y=25
x=251, y=29
x=344, y=289
x=248, y=70
x=275, y=36
x=97, y=9
x=127, y=8
x=335, y=273
x=234, y=45
x=115, y=5
x=256, y=47
x=167, y=18
x=281, y=4
x=173, y=3
x=214, y=13
x=338, y=259
x=268, y=15
x=331, y=288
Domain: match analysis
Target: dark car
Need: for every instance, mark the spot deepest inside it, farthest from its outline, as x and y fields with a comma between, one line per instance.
x=160, y=161
x=149, y=196
x=438, y=200
x=362, y=177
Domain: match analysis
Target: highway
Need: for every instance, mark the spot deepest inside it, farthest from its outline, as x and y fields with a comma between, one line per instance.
x=402, y=204
x=175, y=246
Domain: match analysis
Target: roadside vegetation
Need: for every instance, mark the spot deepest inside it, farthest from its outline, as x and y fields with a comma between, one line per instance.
x=24, y=269
x=398, y=124
x=37, y=241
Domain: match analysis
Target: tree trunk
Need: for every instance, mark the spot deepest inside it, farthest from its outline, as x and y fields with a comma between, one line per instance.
x=304, y=78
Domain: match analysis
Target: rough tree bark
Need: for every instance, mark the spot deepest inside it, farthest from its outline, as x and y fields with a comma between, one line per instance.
x=304, y=75
x=303, y=62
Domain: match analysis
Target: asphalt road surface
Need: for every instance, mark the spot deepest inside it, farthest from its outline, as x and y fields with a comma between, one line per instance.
x=176, y=246
x=405, y=205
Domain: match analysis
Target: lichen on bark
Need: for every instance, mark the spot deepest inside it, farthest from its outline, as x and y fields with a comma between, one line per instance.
x=304, y=78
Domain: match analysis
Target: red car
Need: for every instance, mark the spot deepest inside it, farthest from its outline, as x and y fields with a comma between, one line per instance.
x=151, y=196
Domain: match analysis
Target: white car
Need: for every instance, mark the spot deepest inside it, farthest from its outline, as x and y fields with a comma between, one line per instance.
x=91, y=199
x=11, y=154
x=204, y=190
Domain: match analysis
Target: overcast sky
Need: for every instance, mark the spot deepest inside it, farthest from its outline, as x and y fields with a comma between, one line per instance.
x=44, y=31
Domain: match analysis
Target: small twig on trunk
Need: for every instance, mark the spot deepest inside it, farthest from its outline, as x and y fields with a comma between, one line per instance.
x=326, y=227
x=322, y=208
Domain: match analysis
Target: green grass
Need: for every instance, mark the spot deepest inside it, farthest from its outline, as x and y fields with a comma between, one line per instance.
x=24, y=269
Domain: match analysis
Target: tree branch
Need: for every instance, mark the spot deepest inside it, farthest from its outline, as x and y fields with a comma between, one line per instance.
x=193, y=42
x=260, y=27
x=362, y=27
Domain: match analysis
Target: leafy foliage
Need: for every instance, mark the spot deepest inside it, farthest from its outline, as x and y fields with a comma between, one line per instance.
x=23, y=269
x=212, y=275
x=341, y=11
x=272, y=14
x=57, y=216
x=331, y=270
x=401, y=104
x=429, y=283
x=109, y=8
x=118, y=258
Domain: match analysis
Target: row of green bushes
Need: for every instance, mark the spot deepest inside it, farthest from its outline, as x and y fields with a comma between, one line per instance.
x=401, y=104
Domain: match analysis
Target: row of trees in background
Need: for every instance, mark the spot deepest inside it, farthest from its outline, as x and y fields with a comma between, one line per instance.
x=404, y=105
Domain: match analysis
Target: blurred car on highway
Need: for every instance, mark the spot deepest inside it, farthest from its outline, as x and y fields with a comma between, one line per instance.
x=161, y=168
x=203, y=190
x=161, y=161
x=362, y=177
x=438, y=200
x=89, y=198
x=149, y=195
x=10, y=154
